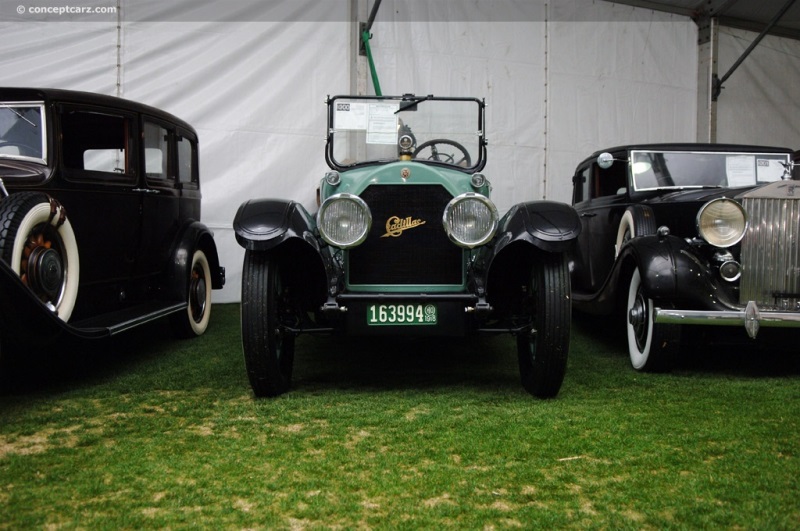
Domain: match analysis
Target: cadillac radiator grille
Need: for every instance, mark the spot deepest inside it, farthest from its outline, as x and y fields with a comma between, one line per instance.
x=407, y=244
x=771, y=253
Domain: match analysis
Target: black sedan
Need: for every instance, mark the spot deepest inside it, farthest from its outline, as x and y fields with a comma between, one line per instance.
x=99, y=219
x=679, y=234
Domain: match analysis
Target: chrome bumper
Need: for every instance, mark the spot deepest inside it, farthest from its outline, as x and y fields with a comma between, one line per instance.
x=752, y=318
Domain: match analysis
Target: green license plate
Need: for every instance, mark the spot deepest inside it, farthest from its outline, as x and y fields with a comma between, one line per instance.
x=401, y=314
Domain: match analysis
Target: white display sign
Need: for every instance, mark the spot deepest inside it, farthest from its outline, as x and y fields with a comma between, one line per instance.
x=769, y=170
x=382, y=126
x=740, y=170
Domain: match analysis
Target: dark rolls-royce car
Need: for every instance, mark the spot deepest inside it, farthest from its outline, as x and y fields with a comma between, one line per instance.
x=687, y=234
x=405, y=242
x=99, y=219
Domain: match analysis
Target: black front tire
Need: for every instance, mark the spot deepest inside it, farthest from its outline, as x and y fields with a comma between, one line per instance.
x=652, y=347
x=268, y=347
x=543, y=352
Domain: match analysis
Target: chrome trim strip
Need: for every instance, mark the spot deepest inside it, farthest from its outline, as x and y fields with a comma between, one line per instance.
x=751, y=318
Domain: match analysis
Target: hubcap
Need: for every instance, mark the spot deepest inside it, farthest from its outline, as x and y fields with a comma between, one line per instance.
x=637, y=317
x=197, y=296
x=45, y=273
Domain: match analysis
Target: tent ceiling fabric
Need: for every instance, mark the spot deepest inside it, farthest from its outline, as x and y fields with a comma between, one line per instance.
x=742, y=14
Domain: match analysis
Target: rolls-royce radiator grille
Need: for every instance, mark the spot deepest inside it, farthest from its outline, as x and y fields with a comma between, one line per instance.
x=771, y=253
x=407, y=244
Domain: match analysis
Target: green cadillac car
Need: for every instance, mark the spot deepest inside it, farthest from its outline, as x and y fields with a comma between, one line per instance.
x=406, y=242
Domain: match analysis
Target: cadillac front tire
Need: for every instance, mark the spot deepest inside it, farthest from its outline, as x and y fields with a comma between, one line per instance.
x=542, y=352
x=268, y=347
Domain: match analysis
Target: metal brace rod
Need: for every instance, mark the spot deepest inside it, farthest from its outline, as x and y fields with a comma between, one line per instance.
x=367, y=26
x=716, y=90
x=372, y=14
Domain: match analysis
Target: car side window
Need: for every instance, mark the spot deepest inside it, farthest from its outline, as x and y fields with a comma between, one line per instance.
x=156, y=151
x=612, y=180
x=581, y=181
x=95, y=142
x=186, y=151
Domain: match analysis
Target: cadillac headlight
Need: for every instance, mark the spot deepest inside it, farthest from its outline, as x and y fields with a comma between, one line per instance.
x=722, y=222
x=344, y=220
x=470, y=220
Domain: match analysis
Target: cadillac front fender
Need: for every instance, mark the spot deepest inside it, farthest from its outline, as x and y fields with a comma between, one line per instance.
x=262, y=224
x=524, y=233
x=548, y=225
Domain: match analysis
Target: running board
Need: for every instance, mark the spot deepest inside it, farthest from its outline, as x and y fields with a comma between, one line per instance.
x=113, y=323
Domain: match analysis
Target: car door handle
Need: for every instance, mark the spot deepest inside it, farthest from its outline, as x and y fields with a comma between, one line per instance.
x=146, y=190
x=588, y=214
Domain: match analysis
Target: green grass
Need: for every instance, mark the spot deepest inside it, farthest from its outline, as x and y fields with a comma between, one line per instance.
x=144, y=432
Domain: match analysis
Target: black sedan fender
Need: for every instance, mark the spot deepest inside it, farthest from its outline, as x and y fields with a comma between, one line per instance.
x=672, y=271
x=194, y=236
x=26, y=321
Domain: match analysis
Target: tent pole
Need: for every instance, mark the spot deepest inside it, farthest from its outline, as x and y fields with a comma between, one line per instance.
x=365, y=37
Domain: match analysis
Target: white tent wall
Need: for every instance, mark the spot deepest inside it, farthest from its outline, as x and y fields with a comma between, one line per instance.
x=561, y=80
x=74, y=55
x=759, y=103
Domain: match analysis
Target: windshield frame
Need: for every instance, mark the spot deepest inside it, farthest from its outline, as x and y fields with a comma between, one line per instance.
x=731, y=171
x=12, y=106
x=406, y=103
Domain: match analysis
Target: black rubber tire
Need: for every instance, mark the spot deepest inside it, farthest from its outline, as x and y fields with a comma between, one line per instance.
x=652, y=347
x=194, y=321
x=543, y=353
x=34, y=225
x=637, y=221
x=466, y=160
x=268, y=349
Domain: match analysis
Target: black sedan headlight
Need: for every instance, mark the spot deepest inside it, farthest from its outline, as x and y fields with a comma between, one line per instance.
x=344, y=220
x=470, y=220
x=722, y=222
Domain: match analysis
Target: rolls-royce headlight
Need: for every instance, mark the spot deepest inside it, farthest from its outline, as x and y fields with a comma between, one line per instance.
x=344, y=220
x=722, y=222
x=470, y=220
